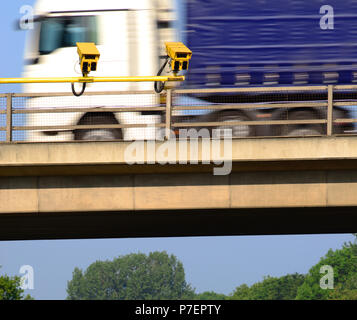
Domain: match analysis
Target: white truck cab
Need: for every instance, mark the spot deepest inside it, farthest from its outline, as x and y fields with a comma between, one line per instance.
x=130, y=37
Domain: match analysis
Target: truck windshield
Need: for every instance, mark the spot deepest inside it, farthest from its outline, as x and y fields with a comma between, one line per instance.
x=61, y=32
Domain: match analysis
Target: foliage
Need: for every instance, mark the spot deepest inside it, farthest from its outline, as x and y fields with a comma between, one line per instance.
x=160, y=276
x=306, y=287
x=346, y=291
x=271, y=288
x=210, y=295
x=10, y=288
x=241, y=293
x=131, y=277
x=344, y=264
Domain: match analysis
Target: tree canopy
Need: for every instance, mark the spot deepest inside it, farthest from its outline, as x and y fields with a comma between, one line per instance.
x=344, y=266
x=10, y=288
x=271, y=288
x=134, y=276
x=162, y=276
x=210, y=295
x=342, y=263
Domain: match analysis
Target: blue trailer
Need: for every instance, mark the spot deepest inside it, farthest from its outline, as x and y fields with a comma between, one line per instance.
x=259, y=43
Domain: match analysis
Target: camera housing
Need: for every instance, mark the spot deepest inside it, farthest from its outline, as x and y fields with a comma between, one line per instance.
x=88, y=57
x=179, y=54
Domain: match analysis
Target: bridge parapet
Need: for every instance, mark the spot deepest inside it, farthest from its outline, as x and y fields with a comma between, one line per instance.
x=126, y=115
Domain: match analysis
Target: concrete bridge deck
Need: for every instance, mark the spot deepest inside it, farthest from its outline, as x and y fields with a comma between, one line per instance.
x=88, y=190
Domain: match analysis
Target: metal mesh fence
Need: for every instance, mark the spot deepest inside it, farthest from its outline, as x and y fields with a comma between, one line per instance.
x=254, y=112
x=141, y=115
x=345, y=109
x=18, y=119
x=103, y=117
x=3, y=103
x=2, y=118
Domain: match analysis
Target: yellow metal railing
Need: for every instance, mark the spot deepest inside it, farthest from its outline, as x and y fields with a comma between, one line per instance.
x=91, y=79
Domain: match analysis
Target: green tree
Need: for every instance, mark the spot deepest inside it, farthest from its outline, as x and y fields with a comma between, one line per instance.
x=10, y=288
x=210, y=295
x=344, y=264
x=271, y=288
x=347, y=291
x=131, y=277
x=241, y=293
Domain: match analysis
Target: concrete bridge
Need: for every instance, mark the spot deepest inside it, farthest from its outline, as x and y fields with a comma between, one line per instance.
x=70, y=190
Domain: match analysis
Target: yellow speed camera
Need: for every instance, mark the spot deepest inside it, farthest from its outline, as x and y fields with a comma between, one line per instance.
x=88, y=57
x=179, y=54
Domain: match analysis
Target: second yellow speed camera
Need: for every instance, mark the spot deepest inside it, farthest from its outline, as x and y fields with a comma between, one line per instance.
x=179, y=54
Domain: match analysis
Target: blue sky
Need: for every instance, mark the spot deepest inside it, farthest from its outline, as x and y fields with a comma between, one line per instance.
x=211, y=263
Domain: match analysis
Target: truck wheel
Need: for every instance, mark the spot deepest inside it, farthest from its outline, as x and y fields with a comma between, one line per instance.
x=302, y=129
x=98, y=134
x=238, y=131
